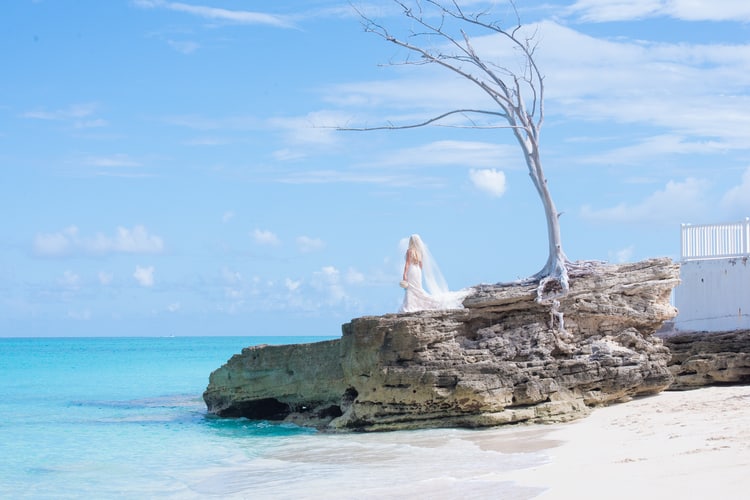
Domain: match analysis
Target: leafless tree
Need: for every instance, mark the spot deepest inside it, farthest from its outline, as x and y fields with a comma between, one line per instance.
x=517, y=93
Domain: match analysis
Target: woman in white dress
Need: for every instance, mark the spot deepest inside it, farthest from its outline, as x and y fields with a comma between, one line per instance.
x=419, y=263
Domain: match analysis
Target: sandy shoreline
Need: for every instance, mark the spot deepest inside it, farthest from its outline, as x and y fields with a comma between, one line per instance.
x=692, y=444
x=686, y=445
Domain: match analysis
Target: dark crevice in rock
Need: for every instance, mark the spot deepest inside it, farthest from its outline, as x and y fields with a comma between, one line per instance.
x=262, y=409
x=332, y=411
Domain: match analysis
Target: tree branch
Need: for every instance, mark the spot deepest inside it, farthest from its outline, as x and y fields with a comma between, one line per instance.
x=427, y=122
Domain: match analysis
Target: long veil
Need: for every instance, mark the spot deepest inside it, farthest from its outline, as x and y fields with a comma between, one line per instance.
x=434, y=281
x=435, y=284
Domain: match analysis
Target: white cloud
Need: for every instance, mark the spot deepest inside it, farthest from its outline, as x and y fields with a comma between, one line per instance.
x=231, y=277
x=218, y=14
x=234, y=294
x=688, y=10
x=93, y=123
x=144, y=275
x=233, y=290
x=636, y=82
x=74, y=111
x=136, y=240
x=119, y=160
x=54, y=243
x=174, y=307
x=652, y=147
x=354, y=277
x=207, y=141
x=357, y=177
x=83, y=315
x=305, y=244
x=678, y=202
x=716, y=10
x=401, y=97
x=79, y=115
x=292, y=285
x=316, y=128
x=105, y=278
x=70, y=280
x=408, y=167
x=622, y=255
x=328, y=281
x=737, y=199
x=461, y=153
x=289, y=154
x=184, y=47
x=70, y=242
x=228, y=215
x=611, y=81
x=223, y=124
x=265, y=237
x=491, y=181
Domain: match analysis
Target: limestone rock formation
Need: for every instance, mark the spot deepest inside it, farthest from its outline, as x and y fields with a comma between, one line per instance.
x=502, y=359
x=708, y=358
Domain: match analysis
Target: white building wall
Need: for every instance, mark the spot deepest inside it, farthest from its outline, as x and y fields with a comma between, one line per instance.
x=714, y=295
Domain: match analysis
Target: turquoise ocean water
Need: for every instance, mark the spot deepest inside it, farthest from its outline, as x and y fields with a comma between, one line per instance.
x=124, y=418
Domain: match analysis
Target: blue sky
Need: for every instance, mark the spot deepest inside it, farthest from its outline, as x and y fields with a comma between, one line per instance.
x=173, y=168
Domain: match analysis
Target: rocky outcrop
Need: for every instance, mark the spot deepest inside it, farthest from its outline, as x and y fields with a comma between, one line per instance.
x=708, y=358
x=502, y=359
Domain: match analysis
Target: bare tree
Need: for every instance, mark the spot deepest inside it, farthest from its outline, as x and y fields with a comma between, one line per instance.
x=518, y=95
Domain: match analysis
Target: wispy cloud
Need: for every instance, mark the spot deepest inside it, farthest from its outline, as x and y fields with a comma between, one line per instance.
x=198, y=122
x=228, y=216
x=358, y=177
x=736, y=201
x=676, y=203
x=315, y=128
x=219, y=14
x=697, y=92
x=185, y=47
x=78, y=115
x=622, y=255
x=80, y=315
x=105, y=278
x=69, y=242
x=450, y=152
x=650, y=148
x=71, y=112
x=305, y=244
x=117, y=160
x=265, y=237
x=328, y=281
x=686, y=10
x=70, y=280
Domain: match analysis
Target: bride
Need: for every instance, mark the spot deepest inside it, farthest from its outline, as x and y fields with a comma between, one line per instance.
x=419, y=263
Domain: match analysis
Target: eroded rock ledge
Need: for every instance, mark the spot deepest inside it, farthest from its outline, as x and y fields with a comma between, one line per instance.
x=708, y=358
x=498, y=361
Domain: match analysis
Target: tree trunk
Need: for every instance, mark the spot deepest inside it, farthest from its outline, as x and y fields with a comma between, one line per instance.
x=554, y=274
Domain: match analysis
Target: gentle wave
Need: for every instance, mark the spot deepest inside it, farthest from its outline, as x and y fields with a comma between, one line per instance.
x=124, y=418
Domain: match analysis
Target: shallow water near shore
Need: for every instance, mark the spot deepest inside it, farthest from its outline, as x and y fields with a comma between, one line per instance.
x=124, y=418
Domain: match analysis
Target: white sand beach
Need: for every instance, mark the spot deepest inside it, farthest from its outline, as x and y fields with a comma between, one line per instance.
x=688, y=445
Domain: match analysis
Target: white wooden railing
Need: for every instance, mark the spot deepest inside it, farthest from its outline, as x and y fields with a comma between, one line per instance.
x=715, y=241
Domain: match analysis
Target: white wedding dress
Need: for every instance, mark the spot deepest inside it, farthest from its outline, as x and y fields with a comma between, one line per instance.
x=415, y=298
x=437, y=296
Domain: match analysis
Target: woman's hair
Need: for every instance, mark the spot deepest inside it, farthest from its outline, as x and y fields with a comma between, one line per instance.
x=415, y=250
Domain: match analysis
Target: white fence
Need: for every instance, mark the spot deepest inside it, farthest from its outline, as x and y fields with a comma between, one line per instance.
x=715, y=241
